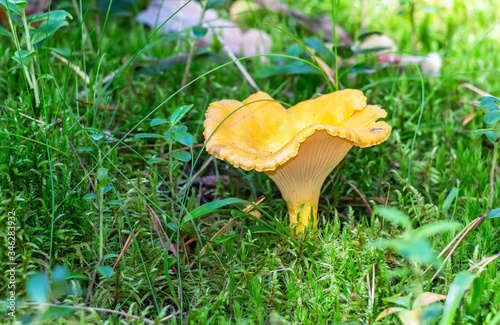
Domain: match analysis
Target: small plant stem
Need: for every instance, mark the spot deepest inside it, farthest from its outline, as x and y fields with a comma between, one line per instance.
x=32, y=66
x=18, y=47
x=193, y=45
x=189, y=61
x=101, y=222
x=413, y=27
x=84, y=26
x=492, y=174
x=171, y=177
x=476, y=222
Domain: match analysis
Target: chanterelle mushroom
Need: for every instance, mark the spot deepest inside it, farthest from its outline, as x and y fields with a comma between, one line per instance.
x=297, y=147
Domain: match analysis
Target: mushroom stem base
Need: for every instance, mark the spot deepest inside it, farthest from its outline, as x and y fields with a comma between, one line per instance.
x=303, y=215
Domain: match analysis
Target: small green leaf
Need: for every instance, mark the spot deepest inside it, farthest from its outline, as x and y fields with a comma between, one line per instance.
x=483, y=131
x=9, y=4
x=395, y=216
x=261, y=229
x=52, y=15
x=344, y=52
x=156, y=160
x=398, y=300
x=158, y=121
x=77, y=276
x=85, y=149
x=89, y=196
x=171, y=261
x=148, y=135
x=183, y=137
x=371, y=50
x=492, y=136
x=38, y=288
x=21, y=3
x=449, y=199
x=454, y=297
x=436, y=227
x=174, y=129
x=492, y=117
x=109, y=256
x=97, y=137
x=113, y=202
x=365, y=34
x=63, y=52
x=474, y=296
x=199, y=32
x=222, y=239
x=4, y=31
x=179, y=113
x=320, y=48
x=293, y=50
x=59, y=273
x=167, y=263
x=22, y=57
x=181, y=155
x=270, y=70
x=490, y=103
x=297, y=67
x=214, y=3
x=106, y=271
x=495, y=213
x=47, y=29
x=103, y=177
x=416, y=249
x=210, y=207
x=179, y=128
x=46, y=76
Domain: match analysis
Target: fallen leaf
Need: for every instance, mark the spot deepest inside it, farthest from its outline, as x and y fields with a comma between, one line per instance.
x=468, y=118
x=427, y=298
x=389, y=311
x=326, y=68
x=382, y=42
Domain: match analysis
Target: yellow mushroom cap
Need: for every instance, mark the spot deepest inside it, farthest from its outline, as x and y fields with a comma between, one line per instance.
x=262, y=135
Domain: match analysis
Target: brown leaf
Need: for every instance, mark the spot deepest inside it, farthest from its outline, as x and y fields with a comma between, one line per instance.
x=427, y=298
x=468, y=118
x=326, y=68
x=389, y=311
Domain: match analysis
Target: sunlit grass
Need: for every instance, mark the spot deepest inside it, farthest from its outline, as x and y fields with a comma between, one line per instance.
x=250, y=275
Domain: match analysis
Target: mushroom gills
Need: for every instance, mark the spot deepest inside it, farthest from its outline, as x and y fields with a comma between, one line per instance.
x=300, y=179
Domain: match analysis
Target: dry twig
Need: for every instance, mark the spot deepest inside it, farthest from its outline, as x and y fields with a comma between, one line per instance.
x=360, y=194
x=100, y=106
x=82, y=164
x=157, y=225
x=118, y=312
x=128, y=242
x=455, y=242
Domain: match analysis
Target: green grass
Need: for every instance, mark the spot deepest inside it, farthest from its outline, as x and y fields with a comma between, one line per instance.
x=251, y=277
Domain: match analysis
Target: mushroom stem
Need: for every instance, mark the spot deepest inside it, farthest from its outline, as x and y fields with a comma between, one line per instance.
x=300, y=178
x=302, y=215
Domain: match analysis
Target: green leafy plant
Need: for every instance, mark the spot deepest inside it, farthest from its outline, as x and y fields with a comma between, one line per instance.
x=423, y=310
x=27, y=57
x=413, y=244
x=492, y=118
